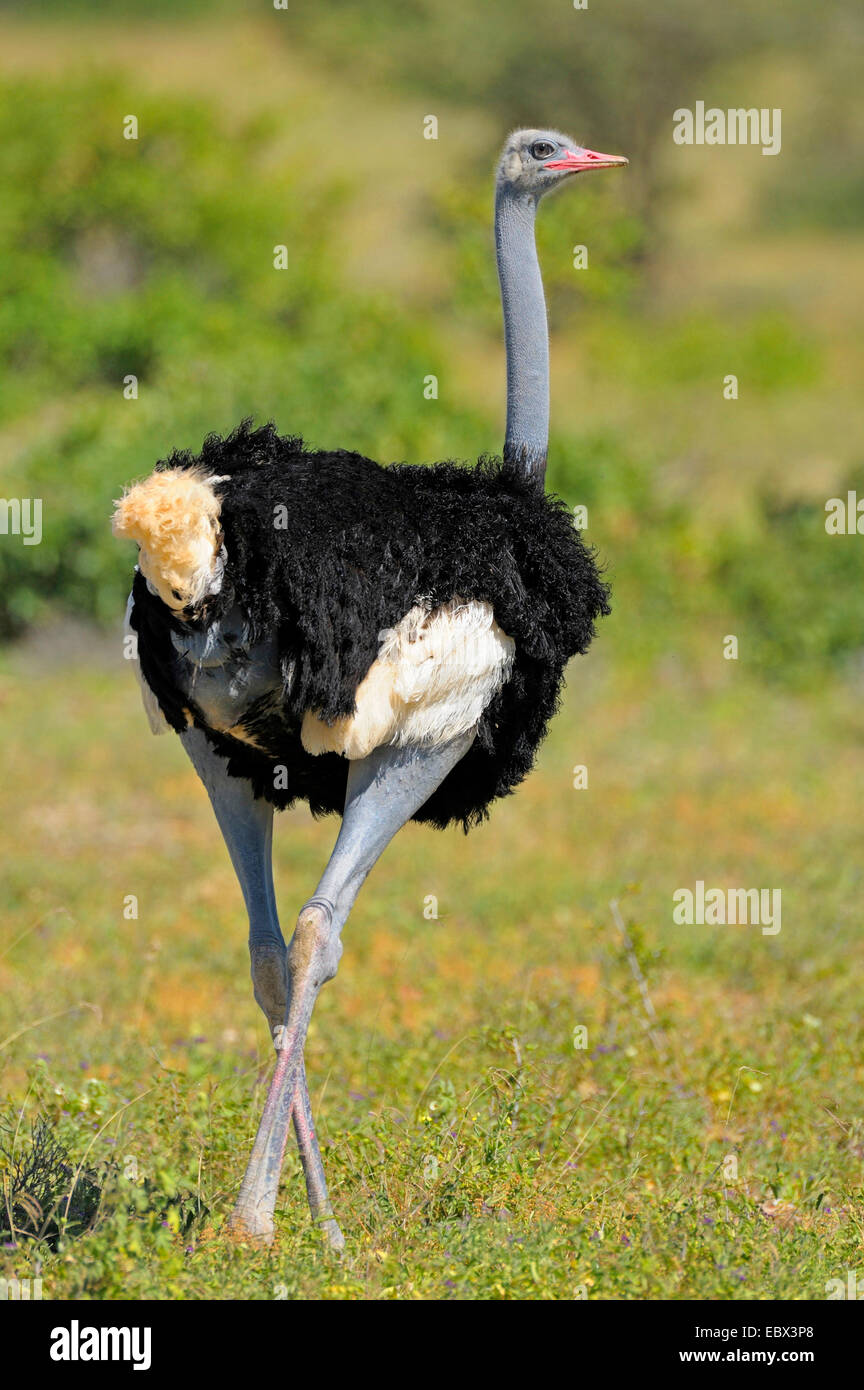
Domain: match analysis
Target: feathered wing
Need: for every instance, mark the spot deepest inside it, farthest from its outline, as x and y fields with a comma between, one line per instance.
x=436, y=672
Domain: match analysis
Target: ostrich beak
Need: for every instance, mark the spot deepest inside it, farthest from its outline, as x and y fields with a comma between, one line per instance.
x=574, y=161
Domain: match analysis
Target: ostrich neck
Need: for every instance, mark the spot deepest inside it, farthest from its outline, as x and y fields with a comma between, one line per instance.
x=526, y=336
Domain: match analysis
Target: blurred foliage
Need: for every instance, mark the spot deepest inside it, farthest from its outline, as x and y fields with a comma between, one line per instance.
x=605, y=74
x=799, y=587
x=155, y=258
x=610, y=70
x=824, y=187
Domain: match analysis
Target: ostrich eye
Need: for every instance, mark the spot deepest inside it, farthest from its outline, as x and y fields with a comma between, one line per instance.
x=542, y=149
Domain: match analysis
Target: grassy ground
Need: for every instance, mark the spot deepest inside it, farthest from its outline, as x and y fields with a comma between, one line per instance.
x=473, y=1150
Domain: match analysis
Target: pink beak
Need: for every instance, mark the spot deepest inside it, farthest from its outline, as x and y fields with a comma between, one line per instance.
x=585, y=159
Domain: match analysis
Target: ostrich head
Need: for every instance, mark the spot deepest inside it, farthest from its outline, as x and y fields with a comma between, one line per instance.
x=173, y=516
x=535, y=161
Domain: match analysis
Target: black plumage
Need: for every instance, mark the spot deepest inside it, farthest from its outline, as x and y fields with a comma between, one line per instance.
x=325, y=550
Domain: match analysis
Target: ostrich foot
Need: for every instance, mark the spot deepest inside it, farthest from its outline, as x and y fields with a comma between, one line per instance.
x=251, y=1225
x=313, y=1168
x=248, y=1229
x=333, y=1237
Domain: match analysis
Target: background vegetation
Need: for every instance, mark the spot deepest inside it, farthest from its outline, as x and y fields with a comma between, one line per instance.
x=475, y=1152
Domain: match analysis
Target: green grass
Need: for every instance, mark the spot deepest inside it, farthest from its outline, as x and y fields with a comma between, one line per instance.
x=473, y=1151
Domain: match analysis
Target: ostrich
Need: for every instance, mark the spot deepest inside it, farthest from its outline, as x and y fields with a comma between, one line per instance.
x=384, y=643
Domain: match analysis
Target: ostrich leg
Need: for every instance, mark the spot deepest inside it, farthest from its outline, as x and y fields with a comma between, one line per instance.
x=384, y=791
x=247, y=828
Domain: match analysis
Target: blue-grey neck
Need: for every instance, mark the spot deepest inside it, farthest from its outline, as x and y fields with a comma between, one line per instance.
x=526, y=336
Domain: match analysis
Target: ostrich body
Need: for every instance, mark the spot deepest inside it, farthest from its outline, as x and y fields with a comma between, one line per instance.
x=386, y=643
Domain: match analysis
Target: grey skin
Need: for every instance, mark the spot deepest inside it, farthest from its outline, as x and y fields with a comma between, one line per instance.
x=522, y=180
x=384, y=789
